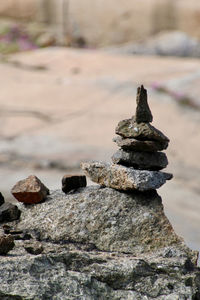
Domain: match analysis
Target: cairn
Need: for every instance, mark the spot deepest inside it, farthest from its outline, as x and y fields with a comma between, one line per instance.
x=137, y=164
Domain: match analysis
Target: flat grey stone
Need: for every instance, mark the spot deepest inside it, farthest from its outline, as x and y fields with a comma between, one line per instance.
x=141, y=160
x=137, y=145
x=123, y=178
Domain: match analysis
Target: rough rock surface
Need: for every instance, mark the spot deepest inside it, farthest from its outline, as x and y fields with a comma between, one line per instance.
x=135, y=145
x=84, y=236
x=141, y=131
x=61, y=273
x=6, y=244
x=141, y=160
x=9, y=212
x=72, y=182
x=123, y=178
x=30, y=190
x=105, y=218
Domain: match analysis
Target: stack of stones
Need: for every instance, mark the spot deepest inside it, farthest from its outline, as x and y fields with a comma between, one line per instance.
x=137, y=164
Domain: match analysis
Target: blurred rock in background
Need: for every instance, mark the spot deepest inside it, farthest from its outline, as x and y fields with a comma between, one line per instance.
x=112, y=23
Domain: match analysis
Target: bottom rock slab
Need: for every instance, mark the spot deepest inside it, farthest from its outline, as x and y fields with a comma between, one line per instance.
x=63, y=274
x=123, y=178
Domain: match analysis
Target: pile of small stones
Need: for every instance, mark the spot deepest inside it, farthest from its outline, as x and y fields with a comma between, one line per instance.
x=137, y=164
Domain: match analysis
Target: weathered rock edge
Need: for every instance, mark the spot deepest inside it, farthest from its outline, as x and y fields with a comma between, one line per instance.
x=64, y=272
x=124, y=178
x=74, y=269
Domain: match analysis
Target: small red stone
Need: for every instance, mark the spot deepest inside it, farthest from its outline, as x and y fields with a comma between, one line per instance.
x=30, y=190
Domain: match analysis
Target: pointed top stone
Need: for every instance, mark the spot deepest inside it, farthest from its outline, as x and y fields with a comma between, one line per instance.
x=143, y=113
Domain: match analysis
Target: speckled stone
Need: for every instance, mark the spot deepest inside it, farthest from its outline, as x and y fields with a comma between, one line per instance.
x=123, y=178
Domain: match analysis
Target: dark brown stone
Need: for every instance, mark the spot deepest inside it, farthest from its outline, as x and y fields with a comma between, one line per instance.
x=136, y=145
x=34, y=248
x=6, y=244
x=9, y=212
x=30, y=190
x=72, y=182
x=143, y=112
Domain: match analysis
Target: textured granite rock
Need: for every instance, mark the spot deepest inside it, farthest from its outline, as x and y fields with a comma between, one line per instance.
x=6, y=244
x=141, y=257
x=136, y=145
x=30, y=190
x=123, y=178
x=9, y=212
x=70, y=275
x=72, y=182
x=142, y=131
x=107, y=219
x=143, y=113
x=141, y=160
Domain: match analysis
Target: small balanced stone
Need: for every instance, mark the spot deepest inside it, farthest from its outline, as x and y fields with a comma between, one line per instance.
x=6, y=244
x=73, y=182
x=143, y=113
x=9, y=212
x=30, y=190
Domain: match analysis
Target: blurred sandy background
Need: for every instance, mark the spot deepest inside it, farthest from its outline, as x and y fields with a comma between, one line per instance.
x=69, y=72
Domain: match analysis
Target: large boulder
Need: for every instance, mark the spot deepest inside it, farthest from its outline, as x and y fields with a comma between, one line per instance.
x=99, y=243
x=105, y=218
